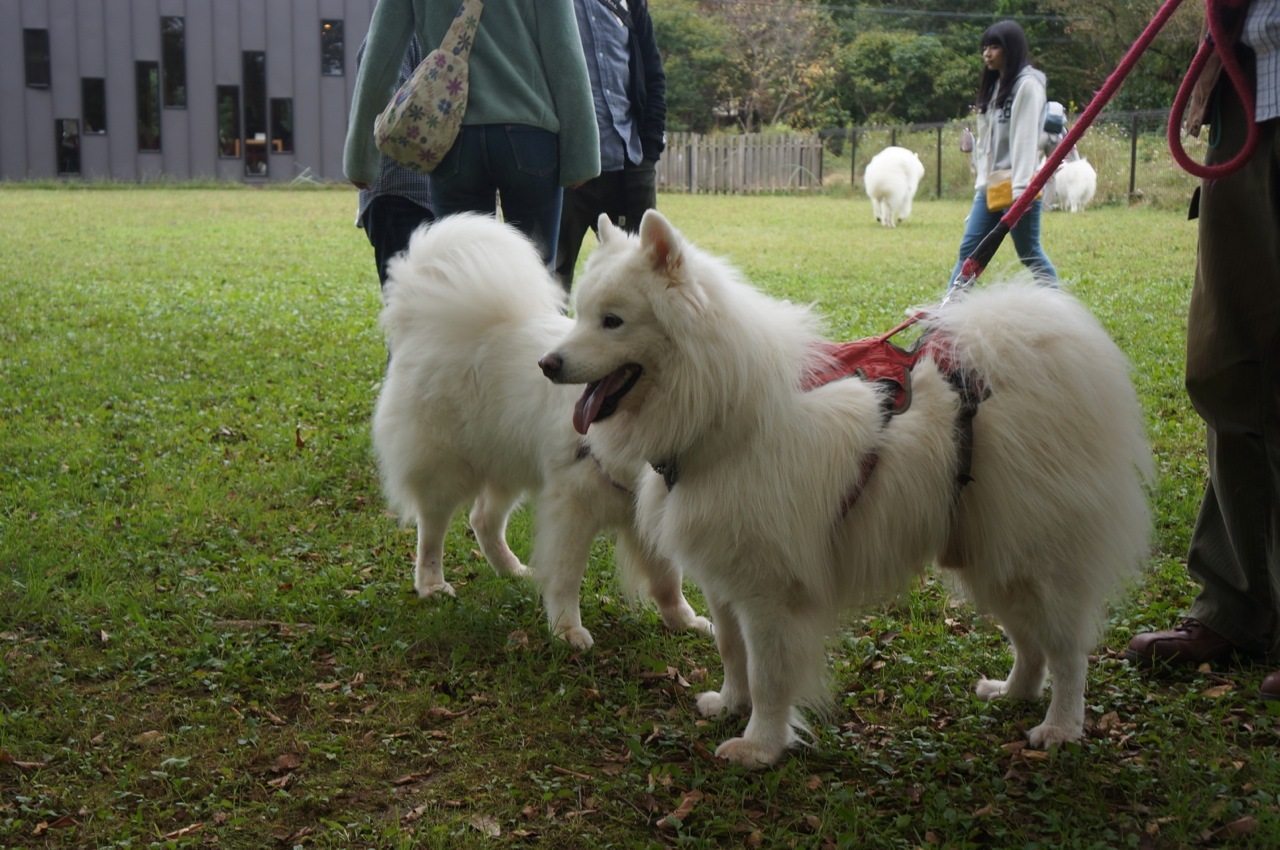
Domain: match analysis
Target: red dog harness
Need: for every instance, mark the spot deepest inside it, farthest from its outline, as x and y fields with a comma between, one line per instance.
x=878, y=360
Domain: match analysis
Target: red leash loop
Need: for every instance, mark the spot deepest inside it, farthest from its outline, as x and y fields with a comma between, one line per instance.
x=1217, y=36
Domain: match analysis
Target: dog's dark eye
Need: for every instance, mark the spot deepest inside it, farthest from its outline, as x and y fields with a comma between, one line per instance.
x=611, y=321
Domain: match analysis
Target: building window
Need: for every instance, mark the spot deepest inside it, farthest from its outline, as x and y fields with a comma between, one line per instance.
x=67, y=133
x=147, y=80
x=93, y=104
x=282, y=124
x=35, y=44
x=229, y=121
x=331, y=50
x=173, y=50
x=254, y=78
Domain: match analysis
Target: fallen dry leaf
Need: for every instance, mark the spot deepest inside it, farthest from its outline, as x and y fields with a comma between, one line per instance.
x=7, y=758
x=152, y=737
x=691, y=799
x=486, y=825
x=286, y=762
x=186, y=830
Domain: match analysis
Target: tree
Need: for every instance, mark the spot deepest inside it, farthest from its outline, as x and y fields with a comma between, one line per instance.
x=896, y=76
x=781, y=53
x=1110, y=28
x=695, y=57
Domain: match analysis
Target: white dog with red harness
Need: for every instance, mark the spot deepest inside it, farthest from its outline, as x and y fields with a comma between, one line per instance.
x=791, y=502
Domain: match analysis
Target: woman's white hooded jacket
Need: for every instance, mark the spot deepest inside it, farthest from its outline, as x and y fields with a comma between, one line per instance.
x=1009, y=137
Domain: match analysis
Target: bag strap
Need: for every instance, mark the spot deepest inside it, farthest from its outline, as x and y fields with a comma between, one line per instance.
x=461, y=35
x=621, y=11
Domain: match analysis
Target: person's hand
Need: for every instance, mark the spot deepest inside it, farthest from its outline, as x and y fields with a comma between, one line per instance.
x=359, y=185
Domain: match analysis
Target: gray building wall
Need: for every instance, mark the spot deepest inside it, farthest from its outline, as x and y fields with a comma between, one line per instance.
x=104, y=38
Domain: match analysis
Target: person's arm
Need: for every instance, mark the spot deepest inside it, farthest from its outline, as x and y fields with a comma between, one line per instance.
x=1024, y=132
x=566, y=70
x=376, y=80
x=654, y=121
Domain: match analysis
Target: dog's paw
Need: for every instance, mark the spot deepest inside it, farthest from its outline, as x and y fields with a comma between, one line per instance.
x=1044, y=736
x=577, y=637
x=711, y=704
x=426, y=590
x=689, y=621
x=991, y=689
x=720, y=704
x=702, y=624
x=748, y=753
x=513, y=569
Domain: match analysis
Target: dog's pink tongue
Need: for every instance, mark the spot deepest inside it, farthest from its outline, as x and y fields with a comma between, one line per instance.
x=588, y=405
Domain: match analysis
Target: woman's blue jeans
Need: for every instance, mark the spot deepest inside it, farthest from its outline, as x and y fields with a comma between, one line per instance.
x=520, y=164
x=1025, y=234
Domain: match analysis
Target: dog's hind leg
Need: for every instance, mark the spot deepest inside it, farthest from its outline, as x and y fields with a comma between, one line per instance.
x=664, y=582
x=489, y=521
x=428, y=571
x=1026, y=679
x=1064, y=721
x=1067, y=662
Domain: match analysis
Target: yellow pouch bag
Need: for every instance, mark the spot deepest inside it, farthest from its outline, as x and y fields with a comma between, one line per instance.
x=1000, y=190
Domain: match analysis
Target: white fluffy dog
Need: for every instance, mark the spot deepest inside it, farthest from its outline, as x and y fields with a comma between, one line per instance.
x=465, y=415
x=1075, y=184
x=891, y=179
x=788, y=504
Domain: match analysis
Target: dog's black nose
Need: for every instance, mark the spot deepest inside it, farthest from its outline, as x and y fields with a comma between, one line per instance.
x=551, y=365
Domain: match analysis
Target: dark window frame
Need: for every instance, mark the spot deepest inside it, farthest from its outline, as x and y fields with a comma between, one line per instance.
x=228, y=122
x=93, y=106
x=147, y=95
x=68, y=145
x=173, y=50
x=281, y=111
x=37, y=57
x=333, y=57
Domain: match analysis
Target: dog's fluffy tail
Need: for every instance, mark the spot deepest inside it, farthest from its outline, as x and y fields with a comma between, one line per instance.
x=462, y=275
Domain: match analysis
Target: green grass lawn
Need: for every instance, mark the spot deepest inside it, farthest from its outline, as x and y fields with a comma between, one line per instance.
x=209, y=636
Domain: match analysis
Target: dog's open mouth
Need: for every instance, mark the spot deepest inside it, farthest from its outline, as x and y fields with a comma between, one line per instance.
x=600, y=399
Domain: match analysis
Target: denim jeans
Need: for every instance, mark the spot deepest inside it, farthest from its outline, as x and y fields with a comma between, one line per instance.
x=519, y=163
x=1025, y=234
x=389, y=222
x=624, y=195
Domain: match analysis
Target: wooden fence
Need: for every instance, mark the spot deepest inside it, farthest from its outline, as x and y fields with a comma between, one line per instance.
x=759, y=162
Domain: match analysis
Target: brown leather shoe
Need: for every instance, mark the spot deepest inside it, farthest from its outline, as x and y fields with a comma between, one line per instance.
x=1270, y=686
x=1191, y=642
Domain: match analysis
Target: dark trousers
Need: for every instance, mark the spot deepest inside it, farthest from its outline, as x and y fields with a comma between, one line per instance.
x=389, y=221
x=1233, y=379
x=623, y=195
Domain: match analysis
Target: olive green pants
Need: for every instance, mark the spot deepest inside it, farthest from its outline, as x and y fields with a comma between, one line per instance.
x=1233, y=379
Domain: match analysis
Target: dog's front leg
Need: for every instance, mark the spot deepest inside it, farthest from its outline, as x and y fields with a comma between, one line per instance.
x=734, y=697
x=784, y=667
x=561, y=546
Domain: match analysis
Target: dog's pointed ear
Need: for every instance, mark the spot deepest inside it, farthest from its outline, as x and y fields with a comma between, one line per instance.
x=606, y=229
x=663, y=244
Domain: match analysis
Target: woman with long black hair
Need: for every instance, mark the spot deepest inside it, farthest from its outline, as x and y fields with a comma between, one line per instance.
x=1010, y=113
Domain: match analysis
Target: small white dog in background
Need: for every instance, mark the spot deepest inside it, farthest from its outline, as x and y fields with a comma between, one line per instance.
x=464, y=415
x=1075, y=184
x=891, y=179
x=789, y=504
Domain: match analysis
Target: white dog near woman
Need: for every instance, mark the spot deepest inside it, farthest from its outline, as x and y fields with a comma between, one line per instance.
x=891, y=179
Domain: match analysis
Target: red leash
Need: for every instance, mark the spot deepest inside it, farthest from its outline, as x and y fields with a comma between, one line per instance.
x=1217, y=35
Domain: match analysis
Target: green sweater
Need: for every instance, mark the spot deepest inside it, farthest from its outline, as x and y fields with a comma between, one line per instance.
x=526, y=68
